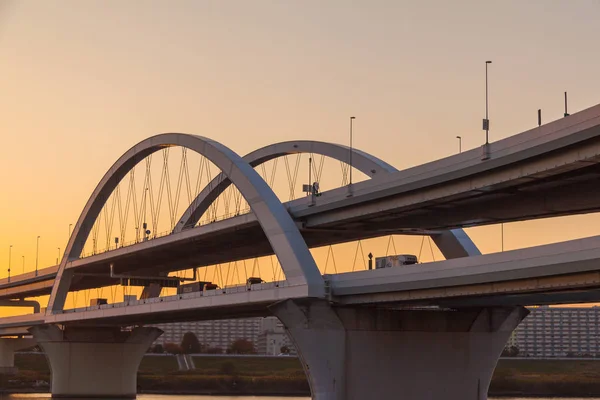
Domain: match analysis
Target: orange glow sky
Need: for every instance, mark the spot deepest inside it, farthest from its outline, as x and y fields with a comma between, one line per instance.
x=82, y=81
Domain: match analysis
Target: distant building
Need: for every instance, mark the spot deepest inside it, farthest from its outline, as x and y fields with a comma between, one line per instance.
x=267, y=334
x=512, y=340
x=558, y=332
x=273, y=338
x=214, y=334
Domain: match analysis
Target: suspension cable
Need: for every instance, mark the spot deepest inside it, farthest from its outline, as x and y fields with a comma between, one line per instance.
x=431, y=248
x=421, y=248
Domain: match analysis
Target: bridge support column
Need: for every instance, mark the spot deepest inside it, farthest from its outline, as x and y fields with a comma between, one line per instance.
x=94, y=362
x=7, y=353
x=355, y=353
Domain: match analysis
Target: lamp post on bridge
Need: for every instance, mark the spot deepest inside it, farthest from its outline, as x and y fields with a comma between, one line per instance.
x=37, y=251
x=9, y=260
x=459, y=144
x=351, y=120
x=23, y=264
x=486, y=121
x=58, y=256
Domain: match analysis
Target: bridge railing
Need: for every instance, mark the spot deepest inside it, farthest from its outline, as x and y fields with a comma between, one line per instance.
x=165, y=233
x=208, y=293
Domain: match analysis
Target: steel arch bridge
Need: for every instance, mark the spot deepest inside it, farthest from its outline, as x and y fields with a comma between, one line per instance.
x=280, y=229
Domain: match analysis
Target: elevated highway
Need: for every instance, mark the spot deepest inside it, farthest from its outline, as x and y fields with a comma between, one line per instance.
x=564, y=272
x=402, y=327
x=536, y=172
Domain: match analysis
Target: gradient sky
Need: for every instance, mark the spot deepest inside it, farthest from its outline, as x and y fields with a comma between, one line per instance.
x=82, y=81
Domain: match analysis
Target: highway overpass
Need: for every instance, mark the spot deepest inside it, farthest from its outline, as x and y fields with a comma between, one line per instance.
x=536, y=172
x=445, y=319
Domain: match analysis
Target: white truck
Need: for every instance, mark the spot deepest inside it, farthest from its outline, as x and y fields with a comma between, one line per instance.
x=395, y=261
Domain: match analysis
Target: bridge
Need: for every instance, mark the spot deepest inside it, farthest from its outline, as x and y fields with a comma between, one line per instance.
x=360, y=334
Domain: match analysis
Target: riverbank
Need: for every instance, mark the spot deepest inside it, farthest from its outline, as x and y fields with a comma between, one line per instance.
x=561, y=378
x=283, y=376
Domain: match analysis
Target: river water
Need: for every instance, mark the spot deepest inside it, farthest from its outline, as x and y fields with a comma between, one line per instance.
x=193, y=397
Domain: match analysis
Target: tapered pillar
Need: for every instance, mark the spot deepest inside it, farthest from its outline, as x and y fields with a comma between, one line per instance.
x=94, y=362
x=357, y=353
x=7, y=353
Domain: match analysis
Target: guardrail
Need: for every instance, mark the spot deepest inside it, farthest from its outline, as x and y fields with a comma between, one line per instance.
x=192, y=295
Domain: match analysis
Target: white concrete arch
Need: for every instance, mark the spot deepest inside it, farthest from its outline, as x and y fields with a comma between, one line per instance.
x=365, y=163
x=297, y=263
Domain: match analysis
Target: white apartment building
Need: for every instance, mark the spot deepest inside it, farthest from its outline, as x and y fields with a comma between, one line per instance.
x=219, y=333
x=273, y=337
x=267, y=334
x=559, y=332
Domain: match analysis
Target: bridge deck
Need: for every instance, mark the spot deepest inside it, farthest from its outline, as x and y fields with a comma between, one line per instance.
x=562, y=272
x=572, y=265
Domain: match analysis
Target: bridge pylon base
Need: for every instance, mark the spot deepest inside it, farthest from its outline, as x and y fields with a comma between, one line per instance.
x=7, y=353
x=357, y=353
x=94, y=362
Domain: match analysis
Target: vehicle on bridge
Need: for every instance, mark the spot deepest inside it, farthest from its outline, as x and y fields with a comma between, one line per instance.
x=196, y=287
x=395, y=261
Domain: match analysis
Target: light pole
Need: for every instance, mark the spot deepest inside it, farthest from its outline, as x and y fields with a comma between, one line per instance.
x=459, y=144
x=58, y=257
x=9, y=260
x=23, y=264
x=486, y=121
x=351, y=119
x=37, y=252
x=144, y=224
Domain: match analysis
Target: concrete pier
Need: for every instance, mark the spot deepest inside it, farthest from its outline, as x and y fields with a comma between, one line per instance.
x=94, y=362
x=357, y=353
x=7, y=353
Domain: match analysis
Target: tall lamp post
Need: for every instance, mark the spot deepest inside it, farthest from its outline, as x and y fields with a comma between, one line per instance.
x=459, y=144
x=486, y=121
x=9, y=260
x=351, y=119
x=58, y=256
x=37, y=252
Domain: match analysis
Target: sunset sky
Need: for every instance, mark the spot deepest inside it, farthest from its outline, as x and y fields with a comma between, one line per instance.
x=82, y=81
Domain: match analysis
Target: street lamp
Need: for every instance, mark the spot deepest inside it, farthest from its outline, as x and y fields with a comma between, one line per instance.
x=9, y=260
x=58, y=257
x=459, y=144
x=351, y=119
x=486, y=121
x=37, y=252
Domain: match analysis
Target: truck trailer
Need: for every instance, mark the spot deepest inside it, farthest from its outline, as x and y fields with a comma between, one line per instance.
x=395, y=261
